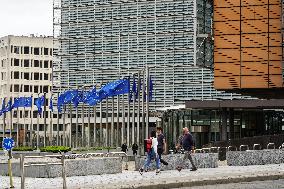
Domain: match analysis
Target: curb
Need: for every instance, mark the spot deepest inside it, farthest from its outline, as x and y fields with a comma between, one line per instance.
x=207, y=182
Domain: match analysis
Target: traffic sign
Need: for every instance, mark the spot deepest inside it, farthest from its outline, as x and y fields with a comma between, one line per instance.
x=8, y=144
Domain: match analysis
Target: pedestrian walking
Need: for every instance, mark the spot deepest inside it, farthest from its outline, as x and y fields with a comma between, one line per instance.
x=152, y=153
x=161, y=144
x=188, y=145
x=134, y=149
x=124, y=147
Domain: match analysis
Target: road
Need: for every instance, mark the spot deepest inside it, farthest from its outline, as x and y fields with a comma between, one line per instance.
x=274, y=184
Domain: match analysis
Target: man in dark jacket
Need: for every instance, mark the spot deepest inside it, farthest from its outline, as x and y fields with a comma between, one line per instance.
x=188, y=146
x=161, y=144
x=124, y=147
x=134, y=149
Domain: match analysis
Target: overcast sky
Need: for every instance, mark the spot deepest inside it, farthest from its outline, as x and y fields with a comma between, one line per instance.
x=24, y=17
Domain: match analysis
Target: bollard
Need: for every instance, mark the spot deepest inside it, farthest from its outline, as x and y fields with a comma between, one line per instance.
x=10, y=168
x=63, y=172
x=22, y=158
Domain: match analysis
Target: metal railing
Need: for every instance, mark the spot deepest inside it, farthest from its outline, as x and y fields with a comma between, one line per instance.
x=23, y=165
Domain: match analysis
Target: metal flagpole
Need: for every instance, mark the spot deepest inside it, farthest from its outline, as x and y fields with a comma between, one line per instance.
x=44, y=119
x=77, y=128
x=57, y=129
x=89, y=126
x=83, y=124
x=107, y=139
x=123, y=122
x=17, y=126
x=51, y=126
x=101, y=123
x=11, y=120
x=64, y=129
x=112, y=122
x=24, y=137
x=133, y=114
x=95, y=125
x=128, y=119
x=147, y=103
x=4, y=121
x=138, y=108
x=117, y=122
x=32, y=125
x=70, y=130
x=37, y=129
x=143, y=106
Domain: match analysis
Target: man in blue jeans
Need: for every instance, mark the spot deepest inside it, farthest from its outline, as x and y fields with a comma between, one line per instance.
x=187, y=143
x=152, y=154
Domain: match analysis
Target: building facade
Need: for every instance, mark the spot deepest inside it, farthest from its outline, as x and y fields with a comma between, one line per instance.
x=25, y=70
x=103, y=40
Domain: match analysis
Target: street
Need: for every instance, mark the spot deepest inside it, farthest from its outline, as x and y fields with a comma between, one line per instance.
x=244, y=185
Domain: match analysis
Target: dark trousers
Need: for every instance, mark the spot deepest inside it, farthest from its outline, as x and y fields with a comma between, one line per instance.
x=187, y=155
x=160, y=152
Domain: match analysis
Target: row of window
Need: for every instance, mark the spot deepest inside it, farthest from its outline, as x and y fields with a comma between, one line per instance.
x=30, y=88
x=31, y=63
x=31, y=50
x=30, y=76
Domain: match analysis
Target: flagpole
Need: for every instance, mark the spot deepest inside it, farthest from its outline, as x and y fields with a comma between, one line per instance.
x=133, y=114
x=31, y=126
x=4, y=117
x=117, y=122
x=17, y=126
x=64, y=128
x=101, y=124
x=138, y=109
x=147, y=104
x=37, y=128
x=11, y=117
x=44, y=119
x=89, y=125
x=24, y=138
x=143, y=106
x=83, y=123
x=77, y=128
x=128, y=120
x=112, y=122
x=123, y=121
x=107, y=122
x=57, y=132
x=95, y=125
x=70, y=130
x=51, y=125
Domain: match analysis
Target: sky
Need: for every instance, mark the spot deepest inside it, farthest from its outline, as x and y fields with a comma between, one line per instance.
x=25, y=17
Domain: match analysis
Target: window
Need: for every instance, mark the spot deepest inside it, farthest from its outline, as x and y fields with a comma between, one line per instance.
x=45, y=89
x=40, y=76
x=16, y=62
x=16, y=49
x=50, y=53
x=26, y=63
x=36, y=63
x=46, y=64
x=36, y=51
x=26, y=50
x=35, y=89
x=45, y=76
x=16, y=88
x=26, y=88
x=36, y=76
x=45, y=51
x=50, y=64
x=26, y=113
x=27, y=76
x=16, y=75
x=40, y=63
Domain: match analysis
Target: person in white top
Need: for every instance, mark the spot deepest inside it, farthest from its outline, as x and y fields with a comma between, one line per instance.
x=152, y=154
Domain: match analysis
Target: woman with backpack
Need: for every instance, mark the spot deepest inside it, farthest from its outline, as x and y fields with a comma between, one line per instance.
x=152, y=153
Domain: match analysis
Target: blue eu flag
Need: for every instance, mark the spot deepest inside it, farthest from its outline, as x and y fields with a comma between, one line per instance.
x=22, y=102
x=39, y=102
x=51, y=104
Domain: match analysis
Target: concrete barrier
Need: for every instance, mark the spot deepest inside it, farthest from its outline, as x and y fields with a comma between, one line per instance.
x=255, y=157
x=73, y=167
x=201, y=160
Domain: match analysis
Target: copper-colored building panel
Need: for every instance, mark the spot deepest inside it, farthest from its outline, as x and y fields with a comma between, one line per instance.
x=226, y=69
x=254, y=68
x=275, y=25
x=254, y=82
x=229, y=27
x=275, y=81
x=227, y=82
x=224, y=14
x=254, y=26
x=254, y=12
x=275, y=39
x=227, y=41
x=254, y=40
x=254, y=54
x=275, y=67
x=275, y=11
x=275, y=53
x=226, y=3
x=227, y=55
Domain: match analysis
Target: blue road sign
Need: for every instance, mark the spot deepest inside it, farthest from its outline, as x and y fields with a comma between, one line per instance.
x=8, y=144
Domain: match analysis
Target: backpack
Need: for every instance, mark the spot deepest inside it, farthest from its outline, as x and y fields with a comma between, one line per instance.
x=148, y=144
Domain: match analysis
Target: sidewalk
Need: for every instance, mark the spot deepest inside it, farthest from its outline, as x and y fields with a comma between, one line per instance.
x=167, y=179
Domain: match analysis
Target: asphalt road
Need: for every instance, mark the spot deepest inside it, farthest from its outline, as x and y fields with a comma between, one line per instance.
x=271, y=184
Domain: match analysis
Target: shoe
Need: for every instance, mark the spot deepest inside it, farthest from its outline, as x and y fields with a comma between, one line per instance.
x=158, y=171
x=178, y=168
x=193, y=169
x=141, y=171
